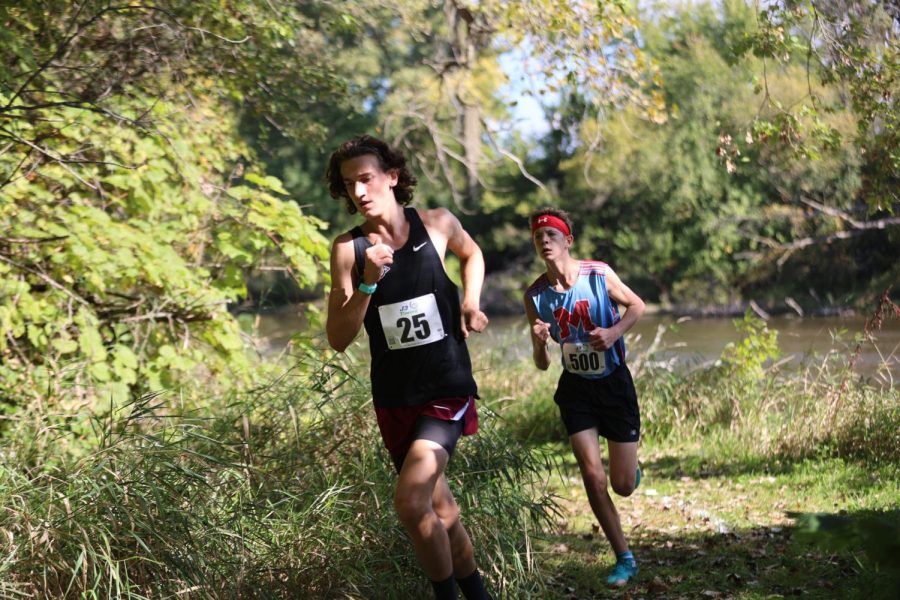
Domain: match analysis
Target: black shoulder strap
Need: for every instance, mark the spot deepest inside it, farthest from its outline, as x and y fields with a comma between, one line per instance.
x=360, y=243
x=415, y=221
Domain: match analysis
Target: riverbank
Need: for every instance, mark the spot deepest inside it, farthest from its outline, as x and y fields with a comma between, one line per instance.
x=678, y=344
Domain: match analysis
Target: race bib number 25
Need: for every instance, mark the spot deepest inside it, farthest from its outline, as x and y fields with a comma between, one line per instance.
x=579, y=357
x=410, y=323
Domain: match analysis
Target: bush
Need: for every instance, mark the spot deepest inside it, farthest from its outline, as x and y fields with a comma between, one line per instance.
x=771, y=411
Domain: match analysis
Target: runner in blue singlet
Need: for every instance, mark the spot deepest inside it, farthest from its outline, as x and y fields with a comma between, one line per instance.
x=576, y=304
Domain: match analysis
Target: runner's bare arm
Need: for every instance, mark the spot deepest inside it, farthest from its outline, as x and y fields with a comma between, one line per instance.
x=624, y=297
x=540, y=335
x=471, y=263
x=603, y=339
x=346, y=305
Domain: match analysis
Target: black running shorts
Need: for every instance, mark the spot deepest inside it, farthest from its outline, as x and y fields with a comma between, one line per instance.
x=609, y=404
x=445, y=433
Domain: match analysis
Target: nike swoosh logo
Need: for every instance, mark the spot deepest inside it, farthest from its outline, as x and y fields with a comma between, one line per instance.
x=419, y=247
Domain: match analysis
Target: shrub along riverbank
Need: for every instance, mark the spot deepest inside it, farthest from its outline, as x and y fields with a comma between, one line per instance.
x=285, y=491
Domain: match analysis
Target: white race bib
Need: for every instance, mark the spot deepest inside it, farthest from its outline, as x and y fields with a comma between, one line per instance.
x=410, y=323
x=579, y=357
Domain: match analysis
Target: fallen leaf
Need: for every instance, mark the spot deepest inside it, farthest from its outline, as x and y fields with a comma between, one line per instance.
x=657, y=586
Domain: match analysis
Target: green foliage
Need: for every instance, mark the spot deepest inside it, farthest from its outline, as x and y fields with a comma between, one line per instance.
x=758, y=345
x=279, y=493
x=90, y=55
x=117, y=277
x=128, y=209
x=852, y=43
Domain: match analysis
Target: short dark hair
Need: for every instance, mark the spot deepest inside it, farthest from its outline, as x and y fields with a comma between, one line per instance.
x=388, y=159
x=549, y=210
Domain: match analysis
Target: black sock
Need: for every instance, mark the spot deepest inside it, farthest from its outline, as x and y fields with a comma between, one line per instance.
x=472, y=587
x=445, y=590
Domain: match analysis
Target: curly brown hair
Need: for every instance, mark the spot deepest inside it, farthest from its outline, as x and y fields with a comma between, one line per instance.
x=549, y=210
x=388, y=159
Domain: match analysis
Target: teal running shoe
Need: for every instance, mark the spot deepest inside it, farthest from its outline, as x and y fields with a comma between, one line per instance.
x=637, y=478
x=622, y=573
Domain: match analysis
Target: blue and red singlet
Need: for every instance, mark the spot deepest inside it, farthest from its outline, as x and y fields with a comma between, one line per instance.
x=572, y=314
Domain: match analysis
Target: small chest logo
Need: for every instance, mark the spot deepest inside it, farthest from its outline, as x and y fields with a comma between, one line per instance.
x=418, y=247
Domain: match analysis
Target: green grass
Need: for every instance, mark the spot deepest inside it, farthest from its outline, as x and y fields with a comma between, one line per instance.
x=702, y=525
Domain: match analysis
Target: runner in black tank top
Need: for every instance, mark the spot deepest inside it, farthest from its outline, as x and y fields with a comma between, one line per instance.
x=388, y=276
x=415, y=370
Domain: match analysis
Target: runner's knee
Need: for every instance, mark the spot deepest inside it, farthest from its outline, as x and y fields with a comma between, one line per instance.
x=448, y=514
x=410, y=506
x=595, y=477
x=623, y=485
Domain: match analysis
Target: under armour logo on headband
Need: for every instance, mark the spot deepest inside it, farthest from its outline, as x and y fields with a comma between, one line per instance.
x=551, y=221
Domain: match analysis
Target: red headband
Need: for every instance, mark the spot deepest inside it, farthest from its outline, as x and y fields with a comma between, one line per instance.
x=550, y=221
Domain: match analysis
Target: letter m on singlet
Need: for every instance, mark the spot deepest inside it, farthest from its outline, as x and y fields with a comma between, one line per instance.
x=580, y=316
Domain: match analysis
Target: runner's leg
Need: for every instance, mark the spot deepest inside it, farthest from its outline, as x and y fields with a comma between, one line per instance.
x=586, y=447
x=622, y=466
x=422, y=468
x=464, y=568
x=460, y=545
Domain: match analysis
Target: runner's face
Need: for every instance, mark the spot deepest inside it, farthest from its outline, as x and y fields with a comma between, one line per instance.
x=551, y=243
x=370, y=188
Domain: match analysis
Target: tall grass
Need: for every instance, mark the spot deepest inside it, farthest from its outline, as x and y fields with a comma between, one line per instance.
x=279, y=492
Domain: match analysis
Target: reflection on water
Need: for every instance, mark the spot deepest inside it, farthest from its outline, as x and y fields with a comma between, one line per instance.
x=685, y=344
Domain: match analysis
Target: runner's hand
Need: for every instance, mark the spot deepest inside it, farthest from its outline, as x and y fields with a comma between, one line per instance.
x=602, y=339
x=541, y=330
x=473, y=320
x=378, y=255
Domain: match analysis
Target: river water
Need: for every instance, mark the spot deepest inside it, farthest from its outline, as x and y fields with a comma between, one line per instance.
x=685, y=343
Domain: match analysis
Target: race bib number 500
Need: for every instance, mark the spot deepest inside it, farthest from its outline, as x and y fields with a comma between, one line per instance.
x=580, y=358
x=411, y=323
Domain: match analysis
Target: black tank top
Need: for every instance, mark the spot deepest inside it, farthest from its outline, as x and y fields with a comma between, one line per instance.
x=413, y=322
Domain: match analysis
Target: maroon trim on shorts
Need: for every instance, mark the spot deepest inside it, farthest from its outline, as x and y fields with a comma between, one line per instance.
x=397, y=424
